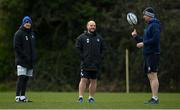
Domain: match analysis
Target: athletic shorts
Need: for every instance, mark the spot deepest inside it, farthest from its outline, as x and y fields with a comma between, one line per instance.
x=151, y=63
x=24, y=71
x=88, y=74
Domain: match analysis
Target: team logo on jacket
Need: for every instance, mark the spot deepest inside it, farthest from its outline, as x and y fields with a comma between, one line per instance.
x=82, y=73
x=87, y=40
x=149, y=68
x=26, y=37
x=98, y=39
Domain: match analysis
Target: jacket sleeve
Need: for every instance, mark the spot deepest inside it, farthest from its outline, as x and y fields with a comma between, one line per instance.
x=138, y=38
x=79, y=47
x=155, y=33
x=17, y=45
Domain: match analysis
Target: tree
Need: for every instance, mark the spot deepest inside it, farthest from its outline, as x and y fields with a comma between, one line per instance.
x=57, y=23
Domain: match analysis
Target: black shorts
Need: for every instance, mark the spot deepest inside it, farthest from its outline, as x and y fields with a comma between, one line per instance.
x=88, y=74
x=151, y=63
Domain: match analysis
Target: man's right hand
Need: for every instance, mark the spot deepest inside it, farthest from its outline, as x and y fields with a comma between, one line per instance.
x=134, y=33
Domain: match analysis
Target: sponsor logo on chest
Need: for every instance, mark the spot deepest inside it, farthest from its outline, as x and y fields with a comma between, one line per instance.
x=98, y=40
x=26, y=37
x=88, y=40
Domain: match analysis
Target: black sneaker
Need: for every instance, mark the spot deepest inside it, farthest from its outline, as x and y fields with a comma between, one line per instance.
x=91, y=100
x=80, y=100
x=152, y=101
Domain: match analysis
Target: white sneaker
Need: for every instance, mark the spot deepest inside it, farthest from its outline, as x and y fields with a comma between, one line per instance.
x=17, y=99
x=24, y=99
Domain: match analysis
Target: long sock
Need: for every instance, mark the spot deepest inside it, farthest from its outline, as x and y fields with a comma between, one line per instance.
x=24, y=86
x=19, y=85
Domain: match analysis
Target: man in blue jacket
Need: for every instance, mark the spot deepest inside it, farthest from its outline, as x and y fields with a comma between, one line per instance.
x=24, y=46
x=150, y=42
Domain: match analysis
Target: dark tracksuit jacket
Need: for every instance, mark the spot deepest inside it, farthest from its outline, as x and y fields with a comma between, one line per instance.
x=151, y=38
x=91, y=48
x=24, y=46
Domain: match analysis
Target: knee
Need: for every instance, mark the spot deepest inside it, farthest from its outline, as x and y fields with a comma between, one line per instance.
x=84, y=80
x=93, y=81
x=152, y=76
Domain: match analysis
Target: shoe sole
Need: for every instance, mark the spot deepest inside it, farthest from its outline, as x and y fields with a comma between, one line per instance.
x=23, y=101
x=150, y=103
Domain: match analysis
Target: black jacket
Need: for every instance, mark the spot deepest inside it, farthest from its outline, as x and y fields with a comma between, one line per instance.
x=24, y=46
x=91, y=48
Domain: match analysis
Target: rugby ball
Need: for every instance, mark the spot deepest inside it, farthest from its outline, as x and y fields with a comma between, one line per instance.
x=132, y=18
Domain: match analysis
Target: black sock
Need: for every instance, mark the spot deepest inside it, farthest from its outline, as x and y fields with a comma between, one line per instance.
x=24, y=85
x=19, y=85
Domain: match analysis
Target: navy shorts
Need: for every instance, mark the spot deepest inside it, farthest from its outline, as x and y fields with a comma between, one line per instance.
x=88, y=74
x=151, y=63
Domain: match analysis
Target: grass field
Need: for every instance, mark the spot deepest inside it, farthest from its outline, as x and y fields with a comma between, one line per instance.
x=59, y=100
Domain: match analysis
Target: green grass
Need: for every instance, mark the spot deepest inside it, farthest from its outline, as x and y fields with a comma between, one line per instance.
x=59, y=100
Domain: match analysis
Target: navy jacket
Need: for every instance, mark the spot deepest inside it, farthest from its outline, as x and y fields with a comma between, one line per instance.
x=91, y=49
x=24, y=46
x=151, y=37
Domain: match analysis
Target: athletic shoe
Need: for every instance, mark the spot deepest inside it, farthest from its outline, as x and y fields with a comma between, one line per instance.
x=152, y=101
x=17, y=99
x=91, y=100
x=24, y=99
x=80, y=100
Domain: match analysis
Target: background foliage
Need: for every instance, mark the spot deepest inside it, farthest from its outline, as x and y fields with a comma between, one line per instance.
x=57, y=23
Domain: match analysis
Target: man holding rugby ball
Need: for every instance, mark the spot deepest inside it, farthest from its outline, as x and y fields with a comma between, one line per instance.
x=150, y=42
